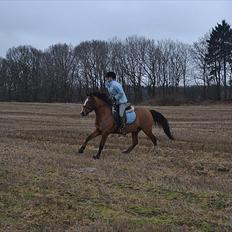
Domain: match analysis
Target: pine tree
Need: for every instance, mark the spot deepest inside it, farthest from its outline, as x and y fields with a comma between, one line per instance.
x=219, y=55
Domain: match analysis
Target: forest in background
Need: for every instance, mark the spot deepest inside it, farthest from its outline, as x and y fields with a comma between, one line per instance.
x=153, y=71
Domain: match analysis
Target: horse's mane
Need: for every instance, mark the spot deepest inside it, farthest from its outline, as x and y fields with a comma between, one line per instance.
x=103, y=96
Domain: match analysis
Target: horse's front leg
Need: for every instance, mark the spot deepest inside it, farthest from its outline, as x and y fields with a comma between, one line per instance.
x=102, y=143
x=91, y=136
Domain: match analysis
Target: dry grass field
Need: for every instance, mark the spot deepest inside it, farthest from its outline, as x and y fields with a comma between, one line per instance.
x=182, y=185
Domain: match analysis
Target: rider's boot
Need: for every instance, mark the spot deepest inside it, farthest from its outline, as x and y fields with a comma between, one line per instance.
x=123, y=125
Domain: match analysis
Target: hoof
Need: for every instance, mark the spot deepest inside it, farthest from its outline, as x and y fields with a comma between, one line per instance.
x=96, y=157
x=81, y=150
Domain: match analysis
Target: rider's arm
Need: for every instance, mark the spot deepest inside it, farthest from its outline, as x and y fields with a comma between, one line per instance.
x=119, y=92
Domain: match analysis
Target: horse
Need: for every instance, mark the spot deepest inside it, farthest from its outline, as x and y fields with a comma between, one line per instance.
x=105, y=124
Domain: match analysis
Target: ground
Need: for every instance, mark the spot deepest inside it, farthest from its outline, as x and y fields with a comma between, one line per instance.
x=181, y=185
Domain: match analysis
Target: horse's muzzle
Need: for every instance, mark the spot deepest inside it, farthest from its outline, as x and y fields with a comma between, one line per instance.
x=82, y=113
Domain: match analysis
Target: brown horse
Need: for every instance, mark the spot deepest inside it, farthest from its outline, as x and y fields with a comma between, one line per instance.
x=105, y=123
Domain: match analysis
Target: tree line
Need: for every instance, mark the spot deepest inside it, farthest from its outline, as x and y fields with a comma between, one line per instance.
x=148, y=69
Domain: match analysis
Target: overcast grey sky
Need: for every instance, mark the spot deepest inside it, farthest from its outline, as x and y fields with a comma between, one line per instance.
x=43, y=23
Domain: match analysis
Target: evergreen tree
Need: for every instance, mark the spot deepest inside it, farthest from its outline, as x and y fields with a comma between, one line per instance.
x=219, y=55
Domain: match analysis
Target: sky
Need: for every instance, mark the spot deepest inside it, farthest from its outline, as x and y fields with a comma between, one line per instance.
x=42, y=23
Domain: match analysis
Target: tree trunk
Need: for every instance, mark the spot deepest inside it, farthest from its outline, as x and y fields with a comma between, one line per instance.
x=225, y=85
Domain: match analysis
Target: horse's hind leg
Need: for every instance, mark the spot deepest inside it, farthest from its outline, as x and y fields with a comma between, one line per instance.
x=134, y=142
x=149, y=133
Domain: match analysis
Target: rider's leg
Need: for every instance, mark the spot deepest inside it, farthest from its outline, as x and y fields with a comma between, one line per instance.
x=122, y=116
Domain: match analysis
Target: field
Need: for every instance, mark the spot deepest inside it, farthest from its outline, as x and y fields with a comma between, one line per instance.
x=181, y=185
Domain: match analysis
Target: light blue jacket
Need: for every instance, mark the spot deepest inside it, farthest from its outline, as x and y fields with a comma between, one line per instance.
x=115, y=90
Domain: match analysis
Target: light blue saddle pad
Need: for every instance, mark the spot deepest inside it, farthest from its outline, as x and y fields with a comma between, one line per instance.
x=130, y=117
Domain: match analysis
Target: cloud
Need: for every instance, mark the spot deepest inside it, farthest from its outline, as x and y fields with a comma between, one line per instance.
x=42, y=23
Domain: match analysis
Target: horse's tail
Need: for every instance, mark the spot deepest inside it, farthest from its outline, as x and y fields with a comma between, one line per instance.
x=162, y=121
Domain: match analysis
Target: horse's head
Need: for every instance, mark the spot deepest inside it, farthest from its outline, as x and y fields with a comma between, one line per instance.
x=95, y=101
x=88, y=106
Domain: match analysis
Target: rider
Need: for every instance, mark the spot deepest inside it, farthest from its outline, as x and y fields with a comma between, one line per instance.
x=118, y=95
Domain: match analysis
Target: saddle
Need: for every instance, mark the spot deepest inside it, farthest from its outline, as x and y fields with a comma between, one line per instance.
x=115, y=111
x=129, y=108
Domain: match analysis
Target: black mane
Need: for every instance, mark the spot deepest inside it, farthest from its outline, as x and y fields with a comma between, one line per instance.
x=103, y=96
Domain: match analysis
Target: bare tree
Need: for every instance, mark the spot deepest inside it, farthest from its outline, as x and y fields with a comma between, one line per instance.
x=3, y=79
x=117, y=59
x=23, y=65
x=135, y=55
x=59, y=72
x=93, y=62
x=198, y=52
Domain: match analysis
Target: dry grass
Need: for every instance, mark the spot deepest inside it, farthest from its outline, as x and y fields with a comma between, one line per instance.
x=182, y=185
